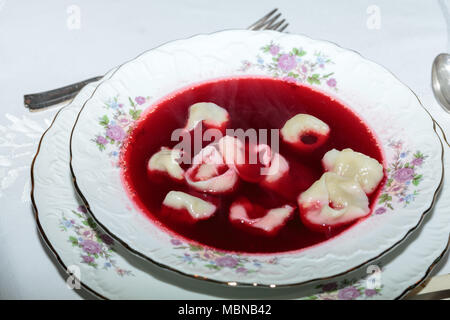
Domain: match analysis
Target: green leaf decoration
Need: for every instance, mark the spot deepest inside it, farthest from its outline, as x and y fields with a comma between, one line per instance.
x=384, y=198
x=91, y=223
x=77, y=214
x=131, y=101
x=135, y=114
x=298, y=52
x=418, y=154
x=195, y=248
x=266, y=48
x=101, y=146
x=73, y=240
x=417, y=179
x=389, y=182
x=313, y=80
x=104, y=121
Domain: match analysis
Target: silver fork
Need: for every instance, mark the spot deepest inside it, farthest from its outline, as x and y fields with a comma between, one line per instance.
x=36, y=101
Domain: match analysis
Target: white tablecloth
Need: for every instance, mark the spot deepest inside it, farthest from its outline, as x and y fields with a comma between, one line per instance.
x=47, y=44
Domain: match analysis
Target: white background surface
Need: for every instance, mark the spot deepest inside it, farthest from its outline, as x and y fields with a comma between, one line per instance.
x=40, y=51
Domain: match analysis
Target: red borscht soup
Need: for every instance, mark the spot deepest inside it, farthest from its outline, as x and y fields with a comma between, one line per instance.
x=251, y=103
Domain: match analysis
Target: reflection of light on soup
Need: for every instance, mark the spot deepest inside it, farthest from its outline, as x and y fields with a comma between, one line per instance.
x=258, y=103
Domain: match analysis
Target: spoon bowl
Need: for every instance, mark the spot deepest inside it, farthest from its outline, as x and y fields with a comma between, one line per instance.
x=440, y=80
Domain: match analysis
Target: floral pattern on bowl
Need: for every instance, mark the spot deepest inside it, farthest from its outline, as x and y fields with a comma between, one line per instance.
x=217, y=260
x=295, y=65
x=97, y=248
x=403, y=177
x=117, y=122
x=347, y=289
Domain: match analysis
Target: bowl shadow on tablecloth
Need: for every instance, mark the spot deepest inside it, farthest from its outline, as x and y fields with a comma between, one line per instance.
x=215, y=290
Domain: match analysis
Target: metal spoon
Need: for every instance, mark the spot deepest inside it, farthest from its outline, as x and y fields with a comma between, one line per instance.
x=440, y=72
x=440, y=80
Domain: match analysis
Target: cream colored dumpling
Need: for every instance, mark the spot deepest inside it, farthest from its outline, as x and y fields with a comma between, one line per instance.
x=198, y=208
x=232, y=150
x=273, y=219
x=204, y=174
x=300, y=124
x=355, y=165
x=166, y=160
x=333, y=199
x=208, y=112
x=278, y=168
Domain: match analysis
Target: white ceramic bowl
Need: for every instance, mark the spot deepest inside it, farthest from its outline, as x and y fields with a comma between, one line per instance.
x=390, y=108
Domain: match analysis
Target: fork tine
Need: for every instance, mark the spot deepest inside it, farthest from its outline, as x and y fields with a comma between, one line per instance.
x=258, y=24
x=276, y=25
x=268, y=24
x=283, y=27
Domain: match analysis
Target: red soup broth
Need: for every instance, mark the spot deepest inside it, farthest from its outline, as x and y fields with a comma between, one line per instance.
x=258, y=103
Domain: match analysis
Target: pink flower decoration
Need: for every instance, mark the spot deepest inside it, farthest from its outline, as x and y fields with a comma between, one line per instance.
x=115, y=132
x=123, y=121
x=370, y=292
x=348, y=293
x=88, y=259
x=287, y=62
x=91, y=247
x=274, y=50
x=226, y=261
x=139, y=100
x=86, y=233
x=331, y=82
x=176, y=242
x=241, y=270
x=404, y=174
x=107, y=239
x=102, y=140
x=417, y=161
x=329, y=287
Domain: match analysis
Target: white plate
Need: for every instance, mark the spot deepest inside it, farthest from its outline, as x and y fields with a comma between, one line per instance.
x=389, y=107
x=118, y=274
